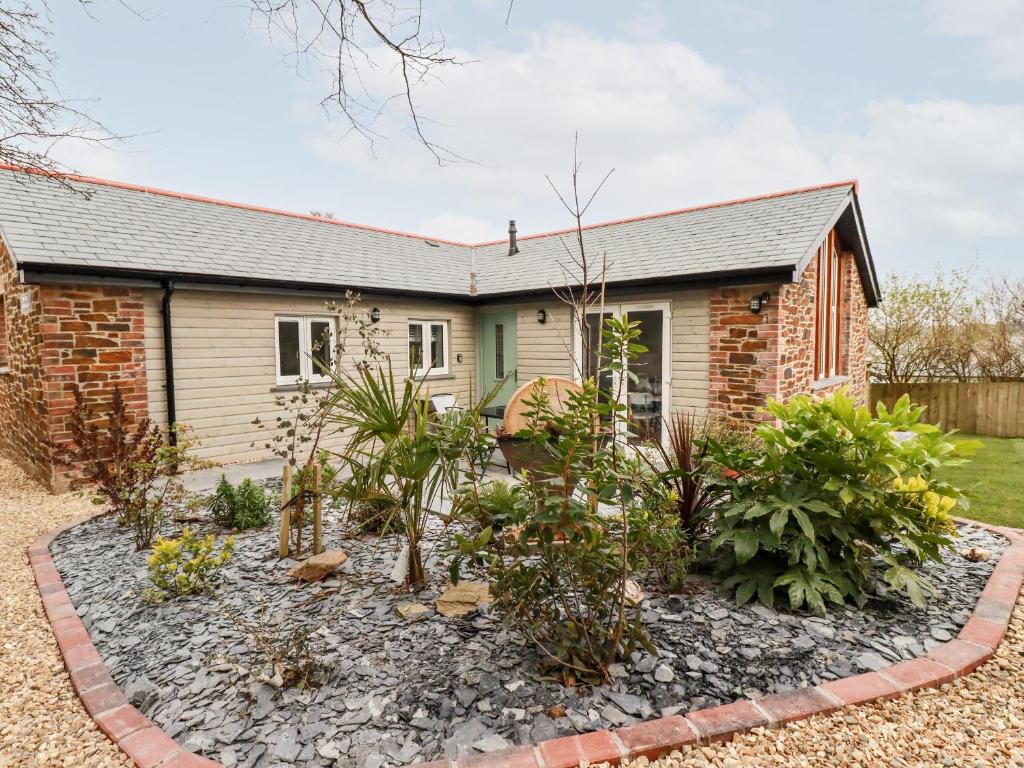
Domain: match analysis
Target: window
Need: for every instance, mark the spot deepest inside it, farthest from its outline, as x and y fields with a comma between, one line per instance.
x=499, y=350
x=428, y=347
x=827, y=360
x=304, y=347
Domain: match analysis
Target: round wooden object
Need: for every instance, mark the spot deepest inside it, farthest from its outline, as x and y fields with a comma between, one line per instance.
x=558, y=389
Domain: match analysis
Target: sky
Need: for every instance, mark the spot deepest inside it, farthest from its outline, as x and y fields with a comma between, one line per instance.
x=922, y=101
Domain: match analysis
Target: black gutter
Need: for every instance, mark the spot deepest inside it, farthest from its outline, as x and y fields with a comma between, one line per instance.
x=172, y=416
x=159, y=277
x=715, y=278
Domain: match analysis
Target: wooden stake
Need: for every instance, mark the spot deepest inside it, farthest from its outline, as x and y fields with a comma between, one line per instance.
x=286, y=514
x=317, y=511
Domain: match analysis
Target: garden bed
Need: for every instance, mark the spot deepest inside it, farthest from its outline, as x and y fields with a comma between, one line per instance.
x=402, y=691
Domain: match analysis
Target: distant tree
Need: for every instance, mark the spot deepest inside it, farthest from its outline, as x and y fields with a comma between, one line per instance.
x=946, y=327
x=1000, y=349
x=902, y=334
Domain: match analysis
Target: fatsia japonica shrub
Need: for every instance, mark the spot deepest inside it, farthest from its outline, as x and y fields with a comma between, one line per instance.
x=830, y=491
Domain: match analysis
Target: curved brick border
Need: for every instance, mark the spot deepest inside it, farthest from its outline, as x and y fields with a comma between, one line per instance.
x=150, y=747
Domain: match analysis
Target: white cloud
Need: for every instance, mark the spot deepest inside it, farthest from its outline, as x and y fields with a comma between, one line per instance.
x=679, y=131
x=466, y=229
x=105, y=161
x=998, y=25
x=937, y=167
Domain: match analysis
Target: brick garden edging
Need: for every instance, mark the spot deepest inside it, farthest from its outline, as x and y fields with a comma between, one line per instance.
x=150, y=747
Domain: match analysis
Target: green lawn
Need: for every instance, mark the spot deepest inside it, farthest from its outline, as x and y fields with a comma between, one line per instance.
x=995, y=481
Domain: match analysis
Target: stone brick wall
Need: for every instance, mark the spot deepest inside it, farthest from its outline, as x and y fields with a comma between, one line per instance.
x=771, y=354
x=854, y=331
x=89, y=336
x=743, y=363
x=23, y=420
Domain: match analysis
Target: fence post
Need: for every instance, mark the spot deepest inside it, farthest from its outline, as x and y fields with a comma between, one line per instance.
x=286, y=513
x=317, y=511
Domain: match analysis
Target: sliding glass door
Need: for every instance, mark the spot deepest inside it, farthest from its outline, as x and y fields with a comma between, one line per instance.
x=647, y=397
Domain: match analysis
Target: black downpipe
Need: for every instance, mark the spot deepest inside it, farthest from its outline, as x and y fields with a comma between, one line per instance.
x=172, y=415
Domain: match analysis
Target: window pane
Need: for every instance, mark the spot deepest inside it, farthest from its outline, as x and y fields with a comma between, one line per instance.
x=499, y=350
x=320, y=343
x=288, y=347
x=646, y=392
x=437, y=345
x=592, y=352
x=415, y=346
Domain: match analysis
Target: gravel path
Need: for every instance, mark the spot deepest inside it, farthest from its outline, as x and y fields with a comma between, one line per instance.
x=976, y=722
x=42, y=722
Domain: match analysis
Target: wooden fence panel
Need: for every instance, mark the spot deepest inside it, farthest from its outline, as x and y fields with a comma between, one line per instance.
x=977, y=408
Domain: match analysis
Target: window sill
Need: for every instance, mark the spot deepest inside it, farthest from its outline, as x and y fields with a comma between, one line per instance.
x=434, y=377
x=831, y=381
x=295, y=387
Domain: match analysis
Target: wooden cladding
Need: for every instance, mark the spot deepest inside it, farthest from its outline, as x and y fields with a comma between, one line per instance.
x=828, y=301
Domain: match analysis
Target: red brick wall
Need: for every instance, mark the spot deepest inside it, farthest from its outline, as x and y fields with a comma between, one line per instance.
x=23, y=413
x=3, y=324
x=771, y=354
x=89, y=336
x=743, y=363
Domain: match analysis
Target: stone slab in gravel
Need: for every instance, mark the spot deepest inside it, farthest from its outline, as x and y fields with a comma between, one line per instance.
x=400, y=692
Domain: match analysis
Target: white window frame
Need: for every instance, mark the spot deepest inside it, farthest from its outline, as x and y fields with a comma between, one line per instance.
x=308, y=370
x=425, y=324
x=618, y=310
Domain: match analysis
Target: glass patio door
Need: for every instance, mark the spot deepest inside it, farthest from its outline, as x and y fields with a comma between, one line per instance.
x=647, y=398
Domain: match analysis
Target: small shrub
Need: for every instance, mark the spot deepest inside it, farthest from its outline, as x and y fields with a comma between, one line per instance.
x=830, y=488
x=377, y=514
x=303, y=478
x=563, y=578
x=132, y=467
x=493, y=504
x=246, y=505
x=186, y=565
x=660, y=546
x=685, y=471
x=286, y=654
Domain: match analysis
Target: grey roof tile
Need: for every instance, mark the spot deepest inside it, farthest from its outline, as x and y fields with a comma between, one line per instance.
x=126, y=228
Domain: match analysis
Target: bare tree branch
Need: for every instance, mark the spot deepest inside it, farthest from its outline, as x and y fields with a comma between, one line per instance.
x=581, y=288
x=346, y=37
x=33, y=117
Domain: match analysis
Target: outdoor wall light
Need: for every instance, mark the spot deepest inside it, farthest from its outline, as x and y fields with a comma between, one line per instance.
x=375, y=315
x=458, y=358
x=542, y=316
x=757, y=303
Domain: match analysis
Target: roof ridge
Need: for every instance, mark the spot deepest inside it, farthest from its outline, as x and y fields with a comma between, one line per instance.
x=369, y=227
x=690, y=209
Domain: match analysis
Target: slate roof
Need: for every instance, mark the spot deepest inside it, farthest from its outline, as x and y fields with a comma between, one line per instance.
x=759, y=234
x=136, y=230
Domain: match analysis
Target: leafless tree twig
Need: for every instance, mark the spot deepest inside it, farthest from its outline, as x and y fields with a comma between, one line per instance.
x=344, y=36
x=34, y=118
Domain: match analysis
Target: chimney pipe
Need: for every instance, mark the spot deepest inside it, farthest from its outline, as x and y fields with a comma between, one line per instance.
x=513, y=249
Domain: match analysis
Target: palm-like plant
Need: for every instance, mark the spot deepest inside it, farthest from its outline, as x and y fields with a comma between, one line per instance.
x=686, y=468
x=394, y=445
